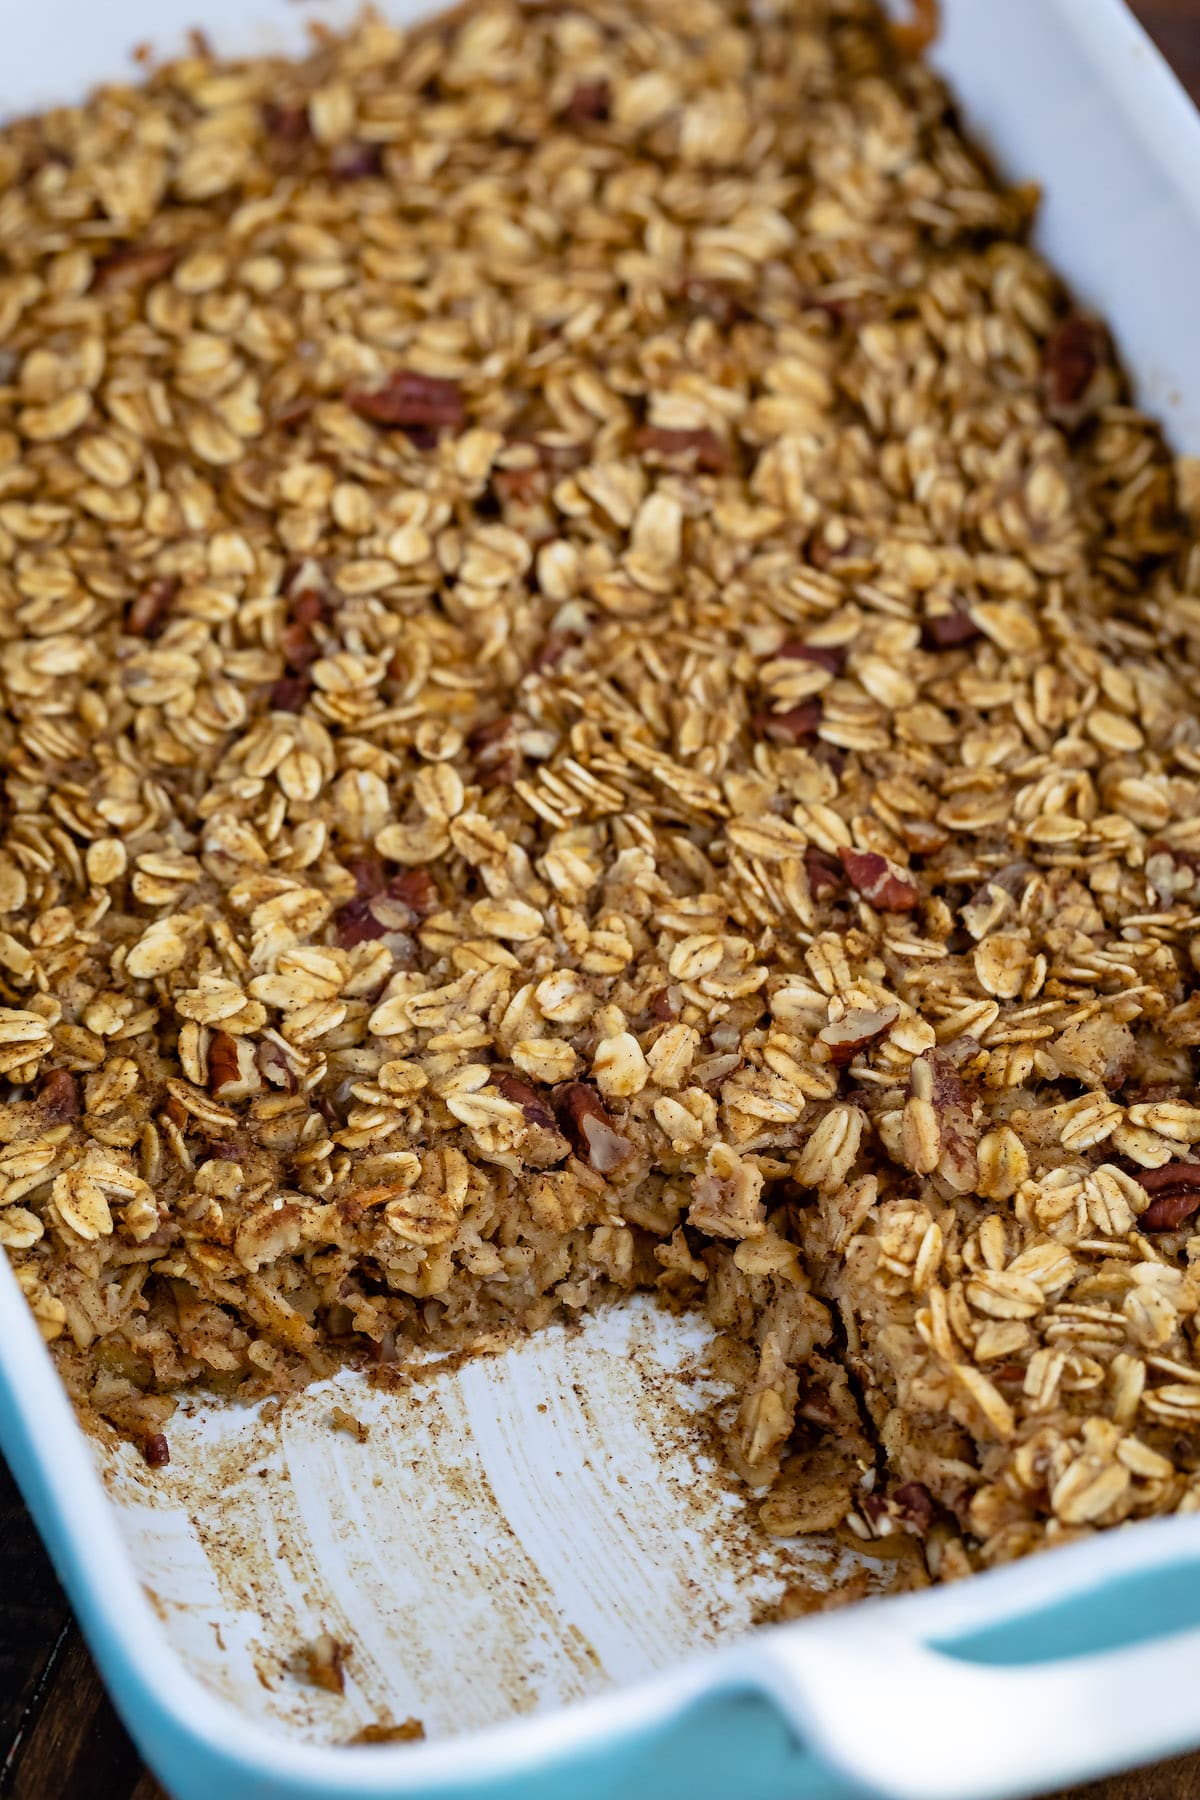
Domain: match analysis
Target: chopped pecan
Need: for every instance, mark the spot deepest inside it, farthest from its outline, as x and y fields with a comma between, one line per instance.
x=1169, y=1211
x=1071, y=358
x=147, y=614
x=290, y=692
x=156, y=1450
x=223, y=1064
x=496, y=752
x=949, y=630
x=369, y=876
x=352, y=161
x=715, y=300
x=958, y=1162
x=913, y=1505
x=294, y=413
x=522, y=1094
x=58, y=1095
x=356, y=923
x=417, y=889
x=523, y=487
x=407, y=399
x=825, y=873
x=551, y=650
x=590, y=103
x=1170, y=870
x=299, y=647
x=701, y=447
x=290, y=124
x=1175, y=1188
x=589, y=1128
x=274, y=1066
x=831, y=656
x=880, y=882
x=792, y=727
x=307, y=602
x=130, y=268
x=860, y=1027
x=545, y=1143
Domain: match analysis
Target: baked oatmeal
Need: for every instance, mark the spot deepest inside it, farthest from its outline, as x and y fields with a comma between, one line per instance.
x=599, y=692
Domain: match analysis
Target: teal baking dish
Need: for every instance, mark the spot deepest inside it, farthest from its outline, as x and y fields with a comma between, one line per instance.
x=1048, y=1672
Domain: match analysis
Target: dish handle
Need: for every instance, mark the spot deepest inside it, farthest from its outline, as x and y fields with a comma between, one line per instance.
x=1088, y=1667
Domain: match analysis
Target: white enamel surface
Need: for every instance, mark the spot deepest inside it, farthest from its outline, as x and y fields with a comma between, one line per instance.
x=463, y=1484
x=516, y=1533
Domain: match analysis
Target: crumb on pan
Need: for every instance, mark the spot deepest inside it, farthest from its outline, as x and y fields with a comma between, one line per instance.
x=409, y=1731
x=342, y=1420
x=598, y=692
x=322, y=1663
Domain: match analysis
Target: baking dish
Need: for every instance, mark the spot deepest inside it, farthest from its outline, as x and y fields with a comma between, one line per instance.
x=500, y=1544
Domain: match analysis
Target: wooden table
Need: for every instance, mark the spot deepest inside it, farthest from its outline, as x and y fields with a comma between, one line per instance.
x=59, y=1737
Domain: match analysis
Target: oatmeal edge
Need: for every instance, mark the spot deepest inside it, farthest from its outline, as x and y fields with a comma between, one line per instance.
x=598, y=692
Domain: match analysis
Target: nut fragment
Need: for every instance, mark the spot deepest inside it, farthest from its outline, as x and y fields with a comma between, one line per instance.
x=886, y=887
x=590, y=1129
x=853, y=1032
x=1175, y=1191
x=408, y=399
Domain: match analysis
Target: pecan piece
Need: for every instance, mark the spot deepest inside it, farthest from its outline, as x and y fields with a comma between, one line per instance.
x=352, y=161
x=912, y=1503
x=526, y=1097
x=355, y=923
x=223, y=1065
x=287, y=123
x=792, y=727
x=860, y=1027
x=544, y=1144
x=1072, y=357
x=1176, y=1191
x=1171, y=871
x=949, y=630
x=934, y=1078
x=130, y=268
x=299, y=647
x=369, y=876
x=880, y=882
x=290, y=692
x=407, y=400
x=58, y=1094
x=825, y=656
x=590, y=103
x=416, y=889
x=715, y=300
x=703, y=447
x=495, y=751
x=825, y=873
x=551, y=650
x=589, y=1128
x=147, y=614
x=274, y=1066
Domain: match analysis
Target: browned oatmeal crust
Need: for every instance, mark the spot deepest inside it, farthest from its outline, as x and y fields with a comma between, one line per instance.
x=598, y=691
